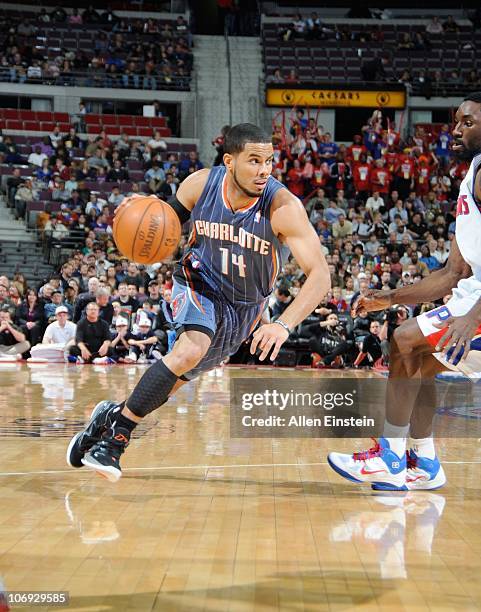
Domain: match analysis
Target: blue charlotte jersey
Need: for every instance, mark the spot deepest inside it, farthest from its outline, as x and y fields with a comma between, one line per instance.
x=236, y=252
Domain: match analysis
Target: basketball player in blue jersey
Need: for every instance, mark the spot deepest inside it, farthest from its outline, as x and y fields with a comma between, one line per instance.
x=446, y=337
x=240, y=216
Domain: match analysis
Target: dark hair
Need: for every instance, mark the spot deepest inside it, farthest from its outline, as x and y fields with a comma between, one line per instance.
x=473, y=97
x=238, y=135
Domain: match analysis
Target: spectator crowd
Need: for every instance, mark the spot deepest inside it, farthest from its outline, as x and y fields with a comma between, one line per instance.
x=75, y=172
x=98, y=309
x=383, y=208
x=124, y=53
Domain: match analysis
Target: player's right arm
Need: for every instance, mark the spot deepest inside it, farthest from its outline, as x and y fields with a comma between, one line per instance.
x=185, y=199
x=432, y=287
x=191, y=188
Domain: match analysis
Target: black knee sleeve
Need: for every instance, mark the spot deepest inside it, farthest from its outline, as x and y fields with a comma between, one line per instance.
x=152, y=390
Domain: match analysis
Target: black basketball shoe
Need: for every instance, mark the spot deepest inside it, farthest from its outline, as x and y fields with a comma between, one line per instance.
x=100, y=420
x=104, y=456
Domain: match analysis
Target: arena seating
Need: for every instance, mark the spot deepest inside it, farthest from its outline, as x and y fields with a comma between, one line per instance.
x=330, y=59
x=44, y=121
x=131, y=125
x=133, y=166
x=109, y=43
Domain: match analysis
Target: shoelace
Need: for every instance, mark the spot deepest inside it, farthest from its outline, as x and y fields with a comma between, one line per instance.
x=411, y=461
x=375, y=451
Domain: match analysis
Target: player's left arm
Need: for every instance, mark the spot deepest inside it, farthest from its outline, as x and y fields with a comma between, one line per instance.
x=290, y=223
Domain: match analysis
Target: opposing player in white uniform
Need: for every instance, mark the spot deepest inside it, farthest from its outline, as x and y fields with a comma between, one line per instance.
x=421, y=347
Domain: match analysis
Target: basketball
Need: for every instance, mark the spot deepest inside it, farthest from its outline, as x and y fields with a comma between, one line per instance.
x=146, y=229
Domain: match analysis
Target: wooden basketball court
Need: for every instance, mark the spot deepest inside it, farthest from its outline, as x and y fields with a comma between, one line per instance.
x=202, y=521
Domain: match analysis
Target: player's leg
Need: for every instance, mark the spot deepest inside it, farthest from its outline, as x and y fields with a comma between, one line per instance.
x=424, y=470
x=152, y=391
x=385, y=464
x=413, y=348
x=163, y=378
x=196, y=312
x=195, y=320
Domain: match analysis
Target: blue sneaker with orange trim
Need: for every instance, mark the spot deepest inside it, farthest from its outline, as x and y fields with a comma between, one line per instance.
x=379, y=466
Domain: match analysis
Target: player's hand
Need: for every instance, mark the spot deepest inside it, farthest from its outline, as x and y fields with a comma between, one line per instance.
x=86, y=354
x=266, y=337
x=458, y=335
x=103, y=351
x=373, y=300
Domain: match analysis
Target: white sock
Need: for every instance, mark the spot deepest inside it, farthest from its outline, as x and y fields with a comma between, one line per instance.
x=396, y=435
x=423, y=447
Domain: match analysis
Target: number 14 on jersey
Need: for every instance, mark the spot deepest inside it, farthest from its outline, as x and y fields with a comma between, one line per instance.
x=237, y=260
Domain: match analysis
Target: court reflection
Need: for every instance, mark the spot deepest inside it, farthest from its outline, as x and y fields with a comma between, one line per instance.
x=90, y=528
x=398, y=524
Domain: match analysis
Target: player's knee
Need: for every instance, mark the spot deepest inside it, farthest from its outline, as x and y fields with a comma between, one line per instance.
x=404, y=339
x=189, y=349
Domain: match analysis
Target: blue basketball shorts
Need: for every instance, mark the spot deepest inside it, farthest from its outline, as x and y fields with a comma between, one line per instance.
x=197, y=305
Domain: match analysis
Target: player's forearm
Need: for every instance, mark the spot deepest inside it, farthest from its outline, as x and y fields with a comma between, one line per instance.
x=317, y=284
x=432, y=287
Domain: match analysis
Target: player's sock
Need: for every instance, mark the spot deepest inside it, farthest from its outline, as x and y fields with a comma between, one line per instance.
x=124, y=422
x=423, y=447
x=396, y=434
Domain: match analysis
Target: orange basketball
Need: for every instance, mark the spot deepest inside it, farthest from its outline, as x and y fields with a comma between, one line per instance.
x=146, y=229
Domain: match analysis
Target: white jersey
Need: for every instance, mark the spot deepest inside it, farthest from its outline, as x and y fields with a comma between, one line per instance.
x=468, y=231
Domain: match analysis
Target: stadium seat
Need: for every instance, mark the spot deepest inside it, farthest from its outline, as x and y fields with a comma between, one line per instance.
x=108, y=120
x=61, y=117
x=44, y=116
x=93, y=119
x=143, y=121
x=112, y=130
x=47, y=126
x=30, y=125
x=124, y=120
x=14, y=125
x=157, y=121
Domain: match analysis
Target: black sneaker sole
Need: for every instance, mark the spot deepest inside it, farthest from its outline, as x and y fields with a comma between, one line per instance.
x=70, y=455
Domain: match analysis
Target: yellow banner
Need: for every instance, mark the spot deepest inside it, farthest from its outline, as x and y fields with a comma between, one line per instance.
x=335, y=98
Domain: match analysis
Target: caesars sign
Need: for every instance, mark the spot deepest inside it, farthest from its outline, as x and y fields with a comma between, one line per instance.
x=335, y=98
